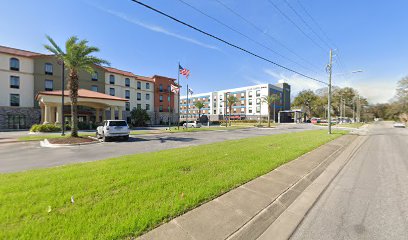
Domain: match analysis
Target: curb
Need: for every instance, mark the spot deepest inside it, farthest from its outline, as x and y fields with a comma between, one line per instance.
x=247, y=211
x=259, y=223
x=46, y=143
x=288, y=221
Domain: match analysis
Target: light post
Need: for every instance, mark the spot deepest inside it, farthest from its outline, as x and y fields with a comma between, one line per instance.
x=61, y=62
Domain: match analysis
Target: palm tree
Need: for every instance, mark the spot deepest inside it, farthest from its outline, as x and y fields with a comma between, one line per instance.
x=231, y=100
x=199, y=105
x=271, y=100
x=77, y=57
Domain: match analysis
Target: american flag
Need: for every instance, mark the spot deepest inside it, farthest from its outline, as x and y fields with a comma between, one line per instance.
x=174, y=89
x=184, y=71
x=190, y=91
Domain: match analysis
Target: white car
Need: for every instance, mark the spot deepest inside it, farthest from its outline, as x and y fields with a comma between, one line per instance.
x=194, y=124
x=399, y=125
x=113, y=129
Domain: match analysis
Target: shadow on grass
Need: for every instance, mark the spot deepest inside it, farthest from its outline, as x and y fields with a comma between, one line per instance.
x=162, y=139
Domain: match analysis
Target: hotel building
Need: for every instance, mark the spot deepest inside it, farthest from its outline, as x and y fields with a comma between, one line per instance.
x=249, y=105
x=30, y=92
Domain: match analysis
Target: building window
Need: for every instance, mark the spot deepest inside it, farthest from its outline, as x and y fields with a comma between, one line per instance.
x=250, y=110
x=147, y=85
x=127, y=106
x=139, y=96
x=168, y=88
x=242, y=95
x=249, y=101
x=168, y=98
x=161, y=88
x=14, y=64
x=95, y=76
x=112, y=79
x=15, y=100
x=94, y=88
x=16, y=121
x=139, y=106
x=168, y=109
x=258, y=101
x=161, y=98
x=250, y=94
x=127, y=94
x=139, y=85
x=258, y=109
x=48, y=69
x=112, y=91
x=147, y=107
x=258, y=93
x=14, y=82
x=127, y=82
x=147, y=96
x=160, y=108
x=49, y=85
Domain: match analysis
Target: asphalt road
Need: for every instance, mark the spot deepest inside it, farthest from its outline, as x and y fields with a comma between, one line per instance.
x=369, y=197
x=29, y=155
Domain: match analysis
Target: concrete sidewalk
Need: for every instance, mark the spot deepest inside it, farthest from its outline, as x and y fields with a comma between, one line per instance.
x=247, y=211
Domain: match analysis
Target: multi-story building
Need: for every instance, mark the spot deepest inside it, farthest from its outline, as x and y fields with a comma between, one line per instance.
x=165, y=101
x=249, y=105
x=30, y=92
x=138, y=90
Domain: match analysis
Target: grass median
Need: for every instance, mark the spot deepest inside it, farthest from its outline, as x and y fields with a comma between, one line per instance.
x=128, y=195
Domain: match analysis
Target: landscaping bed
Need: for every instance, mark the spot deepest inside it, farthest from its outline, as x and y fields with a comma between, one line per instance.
x=128, y=195
x=71, y=140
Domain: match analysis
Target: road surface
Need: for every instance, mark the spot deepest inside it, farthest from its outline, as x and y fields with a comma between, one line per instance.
x=29, y=155
x=369, y=197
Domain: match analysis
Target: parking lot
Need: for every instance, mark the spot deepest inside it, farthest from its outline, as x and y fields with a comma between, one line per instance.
x=29, y=155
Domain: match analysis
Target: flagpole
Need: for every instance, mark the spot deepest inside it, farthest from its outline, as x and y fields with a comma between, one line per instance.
x=178, y=96
x=187, y=108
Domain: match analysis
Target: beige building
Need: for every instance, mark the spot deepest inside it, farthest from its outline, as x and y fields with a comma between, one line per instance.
x=31, y=83
x=138, y=90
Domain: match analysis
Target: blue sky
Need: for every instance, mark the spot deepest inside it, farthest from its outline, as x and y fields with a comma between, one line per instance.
x=367, y=35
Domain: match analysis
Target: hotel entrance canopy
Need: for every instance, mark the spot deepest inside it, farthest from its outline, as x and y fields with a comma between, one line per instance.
x=50, y=104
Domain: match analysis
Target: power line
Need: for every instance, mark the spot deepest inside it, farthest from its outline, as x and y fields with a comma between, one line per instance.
x=297, y=26
x=306, y=24
x=342, y=66
x=264, y=33
x=244, y=35
x=315, y=22
x=224, y=41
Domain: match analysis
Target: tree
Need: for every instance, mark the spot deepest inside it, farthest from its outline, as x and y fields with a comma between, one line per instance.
x=306, y=99
x=199, y=105
x=271, y=100
x=139, y=117
x=77, y=57
x=402, y=94
x=231, y=100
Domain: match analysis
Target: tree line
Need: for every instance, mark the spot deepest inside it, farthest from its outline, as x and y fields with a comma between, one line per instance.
x=347, y=102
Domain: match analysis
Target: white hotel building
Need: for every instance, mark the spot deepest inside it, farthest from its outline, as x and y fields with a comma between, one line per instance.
x=249, y=105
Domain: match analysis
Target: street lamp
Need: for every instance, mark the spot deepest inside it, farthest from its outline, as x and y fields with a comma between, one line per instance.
x=61, y=62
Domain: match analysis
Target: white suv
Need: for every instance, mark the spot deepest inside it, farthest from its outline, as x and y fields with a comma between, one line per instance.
x=113, y=129
x=194, y=124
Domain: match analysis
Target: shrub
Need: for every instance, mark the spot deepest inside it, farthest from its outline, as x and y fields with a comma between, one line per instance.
x=45, y=128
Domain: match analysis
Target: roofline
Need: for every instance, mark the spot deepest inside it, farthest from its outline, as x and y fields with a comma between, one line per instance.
x=48, y=94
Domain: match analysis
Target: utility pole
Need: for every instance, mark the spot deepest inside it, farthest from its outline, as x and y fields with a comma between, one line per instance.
x=329, y=68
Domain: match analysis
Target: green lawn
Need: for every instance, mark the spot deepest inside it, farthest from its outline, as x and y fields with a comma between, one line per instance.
x=351, y=125
x=128, y=195
x=50, y=136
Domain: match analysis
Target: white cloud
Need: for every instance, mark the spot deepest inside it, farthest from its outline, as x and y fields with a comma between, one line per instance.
x=297, y=83
x=156, y=28
x=375, y=91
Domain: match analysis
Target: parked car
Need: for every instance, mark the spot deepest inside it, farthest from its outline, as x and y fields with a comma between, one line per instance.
x=113, y=129
x=193, y=124
x=399, y=125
